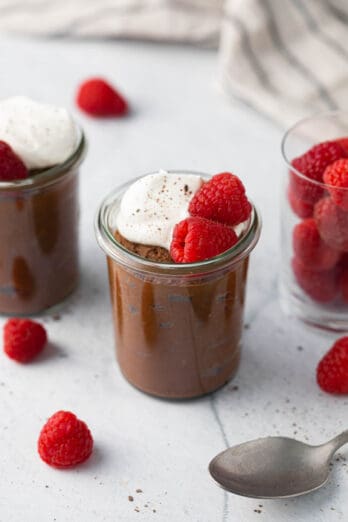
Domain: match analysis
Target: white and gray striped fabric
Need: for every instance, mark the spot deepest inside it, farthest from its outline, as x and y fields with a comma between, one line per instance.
x=286, y=58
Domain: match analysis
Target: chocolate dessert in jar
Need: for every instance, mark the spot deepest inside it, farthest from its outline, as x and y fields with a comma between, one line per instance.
x=41, y=149
x=177, y=246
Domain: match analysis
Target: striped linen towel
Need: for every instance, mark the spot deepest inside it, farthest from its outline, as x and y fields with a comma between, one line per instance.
x=286, y=58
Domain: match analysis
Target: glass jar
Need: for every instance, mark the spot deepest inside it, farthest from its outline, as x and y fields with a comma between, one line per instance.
x=314, y=237
x=39, y=237
x=177, y=326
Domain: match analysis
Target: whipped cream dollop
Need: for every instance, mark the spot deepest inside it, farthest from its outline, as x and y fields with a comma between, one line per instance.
x=42, y=135
x=153, y=205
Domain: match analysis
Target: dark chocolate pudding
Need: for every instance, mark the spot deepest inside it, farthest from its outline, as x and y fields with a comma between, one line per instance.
x=178, y=340
x=178, y=327
x=39, y=238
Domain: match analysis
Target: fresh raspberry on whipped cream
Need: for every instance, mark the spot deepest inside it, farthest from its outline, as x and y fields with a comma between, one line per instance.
x=153, y=206
x=196, y=239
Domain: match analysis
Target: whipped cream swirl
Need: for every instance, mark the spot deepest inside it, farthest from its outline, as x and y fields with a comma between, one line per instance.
x=42, y=135
x=153, y=205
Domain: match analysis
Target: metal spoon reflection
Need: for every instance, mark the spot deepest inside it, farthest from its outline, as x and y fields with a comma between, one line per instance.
x=275, y=467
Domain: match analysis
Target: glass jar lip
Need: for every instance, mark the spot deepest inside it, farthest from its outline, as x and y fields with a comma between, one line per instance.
x=317, y=116
x=51, y=173
x=116, y=251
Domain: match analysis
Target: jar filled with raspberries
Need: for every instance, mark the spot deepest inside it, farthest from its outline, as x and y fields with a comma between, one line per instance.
x=314, y=268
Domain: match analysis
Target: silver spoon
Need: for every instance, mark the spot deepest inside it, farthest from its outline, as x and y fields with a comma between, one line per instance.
x=275, y=467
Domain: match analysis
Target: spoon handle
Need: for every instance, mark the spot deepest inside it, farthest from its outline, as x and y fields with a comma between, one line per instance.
x=338, y=441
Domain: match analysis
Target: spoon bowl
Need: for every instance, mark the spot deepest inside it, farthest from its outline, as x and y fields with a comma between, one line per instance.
x=274, y=467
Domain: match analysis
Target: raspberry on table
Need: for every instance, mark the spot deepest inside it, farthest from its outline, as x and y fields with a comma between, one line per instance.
x=332, y=370
x=336, y=177
x=301, y=208
x=196, y=239
x=65, y=440
x=11, y=166
x=221, y=199
x=98, y=98
x=332, y=223
x=310, y=249
x=319, y=286
x=312, y=165
x=24, y=339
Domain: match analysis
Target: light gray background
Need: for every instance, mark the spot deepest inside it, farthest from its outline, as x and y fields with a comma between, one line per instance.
x=178, y=121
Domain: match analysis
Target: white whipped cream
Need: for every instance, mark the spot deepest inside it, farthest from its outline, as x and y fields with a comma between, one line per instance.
x=153, y=205
x=42, y=135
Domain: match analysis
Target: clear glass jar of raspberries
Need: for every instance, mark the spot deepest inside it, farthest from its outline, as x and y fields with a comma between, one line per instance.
x=314, y=269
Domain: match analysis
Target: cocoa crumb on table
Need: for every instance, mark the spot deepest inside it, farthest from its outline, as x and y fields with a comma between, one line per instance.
x=130, y=498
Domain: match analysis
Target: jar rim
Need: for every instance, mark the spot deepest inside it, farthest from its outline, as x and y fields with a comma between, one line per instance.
x=116, y=251
x=294, y=127
x=50, y=174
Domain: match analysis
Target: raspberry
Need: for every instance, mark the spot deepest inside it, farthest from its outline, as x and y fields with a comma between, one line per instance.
x=24, y=339
x=98, y=98
x=344, y=284
x=332, y=370
x=344, y=144
x=312, y=165
x=332, y=222
x=196, y=239
x=336, y=176
x=301, y=208
x=221, y=199
x=11, y=165
x=310, y=249
x=65, y=440
x=343, y=263
x=320, y=286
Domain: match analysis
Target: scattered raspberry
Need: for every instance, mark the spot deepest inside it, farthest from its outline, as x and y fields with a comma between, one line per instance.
x=23, y=339
x=310, y=249
x=98, y=98
x=11, y=165
x=344, y=144
x=336, y=176
x=65, y=440
x=301, y=208
x=320, y=286
x=312, y=165
x=196, y=239
x=221, y=199
x=332, y=222
x=332, y=371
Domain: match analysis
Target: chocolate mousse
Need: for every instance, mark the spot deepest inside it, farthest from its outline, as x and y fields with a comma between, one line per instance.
x=177, y=327
x=150, y=252
x=38, y=213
